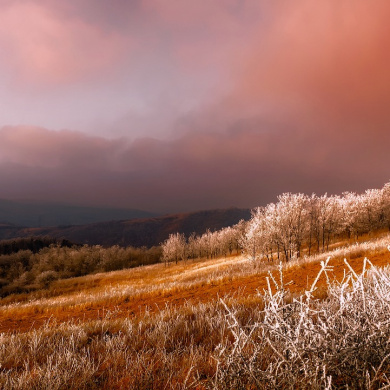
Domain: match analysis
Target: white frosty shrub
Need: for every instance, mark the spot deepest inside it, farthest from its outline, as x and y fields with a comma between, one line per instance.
x=342, y=341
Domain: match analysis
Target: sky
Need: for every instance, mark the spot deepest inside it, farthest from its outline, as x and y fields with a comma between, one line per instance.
x=181, y=105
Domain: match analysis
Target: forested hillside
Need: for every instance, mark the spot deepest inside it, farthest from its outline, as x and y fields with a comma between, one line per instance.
x=45, y=214
x=296, y=225
x=287, y=298
x=139, y=232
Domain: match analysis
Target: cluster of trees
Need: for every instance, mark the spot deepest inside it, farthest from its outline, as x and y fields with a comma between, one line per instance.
x=34, y=244
x=296, y=223
x=222, y=242
x=25, y=271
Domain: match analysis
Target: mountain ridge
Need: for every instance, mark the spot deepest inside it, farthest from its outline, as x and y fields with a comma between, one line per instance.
x=135, y=232
x=46, y=214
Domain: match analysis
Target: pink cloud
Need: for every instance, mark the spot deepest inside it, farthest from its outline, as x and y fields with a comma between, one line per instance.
x=297, y=102
x=198, y=170
x=39, y=147
x=328, y=58
x=43, y=47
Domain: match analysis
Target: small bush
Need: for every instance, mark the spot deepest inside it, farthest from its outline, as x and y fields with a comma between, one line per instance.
x=340, y=342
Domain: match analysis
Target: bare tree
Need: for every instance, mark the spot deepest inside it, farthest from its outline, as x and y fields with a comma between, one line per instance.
x=174, y=248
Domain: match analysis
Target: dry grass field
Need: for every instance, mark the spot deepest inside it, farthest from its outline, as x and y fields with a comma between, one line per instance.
x=132, y=292
x=156, y=326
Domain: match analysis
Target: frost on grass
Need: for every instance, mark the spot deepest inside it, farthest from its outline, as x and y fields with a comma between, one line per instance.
x=328, y=339
x=342, y=341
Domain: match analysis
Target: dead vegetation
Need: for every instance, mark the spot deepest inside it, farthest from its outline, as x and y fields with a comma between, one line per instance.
x=206, y=324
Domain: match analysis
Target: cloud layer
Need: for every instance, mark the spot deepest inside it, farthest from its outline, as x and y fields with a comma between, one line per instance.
x=196, y=171
x=187, y=105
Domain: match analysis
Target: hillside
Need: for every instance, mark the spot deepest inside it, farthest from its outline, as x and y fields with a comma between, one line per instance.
x=198, y=325
x=41, y=214
x=154, y=287
x=137, y=232
x=297, y=297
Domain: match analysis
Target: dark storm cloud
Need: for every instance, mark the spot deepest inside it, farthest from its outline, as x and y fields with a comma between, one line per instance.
x=301, y=103
x=198, y=170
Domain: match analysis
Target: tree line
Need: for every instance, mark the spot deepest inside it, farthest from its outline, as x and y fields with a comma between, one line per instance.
x=25, y=271
x=33, y=244
x=295, y=224
x=222, y=242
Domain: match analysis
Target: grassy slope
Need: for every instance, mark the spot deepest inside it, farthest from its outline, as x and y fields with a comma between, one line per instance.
x=155, y=327
x=131, y=293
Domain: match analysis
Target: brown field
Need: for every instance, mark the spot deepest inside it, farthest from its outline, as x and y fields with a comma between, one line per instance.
x=157, y=327
x=150, y=289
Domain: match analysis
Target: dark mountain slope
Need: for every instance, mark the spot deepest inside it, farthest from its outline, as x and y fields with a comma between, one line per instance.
x=137, y=232
x=40, y=214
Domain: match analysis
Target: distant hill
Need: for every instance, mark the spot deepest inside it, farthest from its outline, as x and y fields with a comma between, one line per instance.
x=138, y=232
x=40, y=214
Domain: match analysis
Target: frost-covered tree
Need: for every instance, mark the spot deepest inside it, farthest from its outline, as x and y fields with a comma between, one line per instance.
x=325, y=216
x=333, y=224
x=251, y=240
x=351, y=221
x=385, y=196
x=280, y=227
x=363, y=213
x=371, y=209
x=296, y=222
x=192, y=246
x=291, y=218
x=174, y=248
x=257, y=240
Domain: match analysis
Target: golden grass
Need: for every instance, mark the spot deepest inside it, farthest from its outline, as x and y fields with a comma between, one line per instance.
x=131, y=293
x=150, y=327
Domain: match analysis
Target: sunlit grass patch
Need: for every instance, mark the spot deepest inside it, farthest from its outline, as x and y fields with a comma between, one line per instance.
x=129, y=292
x=334, y=334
